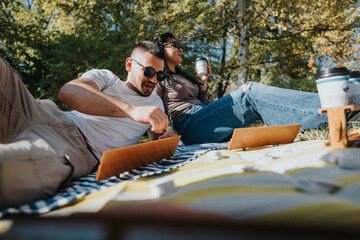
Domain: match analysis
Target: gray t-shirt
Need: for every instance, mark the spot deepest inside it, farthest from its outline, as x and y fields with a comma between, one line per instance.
x=179, y=97
x=106, y=133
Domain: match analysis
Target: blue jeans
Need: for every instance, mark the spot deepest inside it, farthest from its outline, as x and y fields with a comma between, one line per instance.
x=253, y=101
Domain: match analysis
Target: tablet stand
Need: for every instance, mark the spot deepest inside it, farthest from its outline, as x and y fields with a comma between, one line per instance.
x=337, y=127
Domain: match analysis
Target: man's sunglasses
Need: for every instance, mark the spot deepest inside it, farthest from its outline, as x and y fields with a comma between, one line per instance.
x=174, y=44
x=150, y=72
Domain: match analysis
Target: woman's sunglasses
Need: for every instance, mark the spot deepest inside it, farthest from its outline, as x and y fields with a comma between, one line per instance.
x=150, y=72
x=174, y=44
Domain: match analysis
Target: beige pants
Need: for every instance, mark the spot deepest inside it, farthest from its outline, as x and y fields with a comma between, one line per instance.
x=41, y=149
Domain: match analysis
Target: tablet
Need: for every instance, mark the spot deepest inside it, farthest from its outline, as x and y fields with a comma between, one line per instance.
x=116, y=161
x=261, y=136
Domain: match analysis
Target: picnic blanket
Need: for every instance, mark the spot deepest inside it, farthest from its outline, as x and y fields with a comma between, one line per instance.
x=303, y=184
x=86, y=185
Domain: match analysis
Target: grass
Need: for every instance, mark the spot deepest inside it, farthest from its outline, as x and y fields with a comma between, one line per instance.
x=313, y=134
x=323, y=134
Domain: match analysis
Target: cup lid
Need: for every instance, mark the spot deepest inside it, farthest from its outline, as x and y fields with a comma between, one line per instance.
x=355, y=74
x=332, y=72
x=200, y=58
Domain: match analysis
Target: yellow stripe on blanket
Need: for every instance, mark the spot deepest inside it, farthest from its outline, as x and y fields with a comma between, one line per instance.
x=92, y=202
x=196, y=195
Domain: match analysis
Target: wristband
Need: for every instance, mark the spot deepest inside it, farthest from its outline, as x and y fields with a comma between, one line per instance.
x=202, y=84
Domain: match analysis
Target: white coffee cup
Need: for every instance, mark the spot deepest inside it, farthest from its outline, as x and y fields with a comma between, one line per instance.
x=333, y=87
x=201, y=66
x=354, y=82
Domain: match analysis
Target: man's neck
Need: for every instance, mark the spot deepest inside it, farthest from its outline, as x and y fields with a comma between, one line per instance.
x=132, y=87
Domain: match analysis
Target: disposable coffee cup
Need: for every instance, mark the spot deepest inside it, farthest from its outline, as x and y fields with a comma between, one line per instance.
x=354, y=84
x=333, y=87
x=201, y=66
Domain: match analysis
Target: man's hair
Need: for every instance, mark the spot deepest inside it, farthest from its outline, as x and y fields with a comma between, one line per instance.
x=151, y=47
x=163, y=38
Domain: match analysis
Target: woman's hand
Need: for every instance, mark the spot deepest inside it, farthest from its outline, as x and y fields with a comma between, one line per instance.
x=203, y=79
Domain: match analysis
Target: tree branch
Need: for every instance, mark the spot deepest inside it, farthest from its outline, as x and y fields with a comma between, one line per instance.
x=276, y=59
x=6, y=15
x=209, y=32
x=259, y=14
x=321, y=29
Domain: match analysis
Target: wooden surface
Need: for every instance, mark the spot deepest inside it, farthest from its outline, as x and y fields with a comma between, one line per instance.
x=261, y=136
x=114, y=162
x=337, y=126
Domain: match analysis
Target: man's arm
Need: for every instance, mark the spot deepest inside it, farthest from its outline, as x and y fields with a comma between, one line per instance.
x=84, y=96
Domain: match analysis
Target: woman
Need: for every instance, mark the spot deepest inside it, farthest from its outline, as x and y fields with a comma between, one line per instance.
x=198, y=122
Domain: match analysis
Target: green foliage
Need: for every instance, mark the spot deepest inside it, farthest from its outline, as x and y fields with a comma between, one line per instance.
x=51, y=42
x=289, y=33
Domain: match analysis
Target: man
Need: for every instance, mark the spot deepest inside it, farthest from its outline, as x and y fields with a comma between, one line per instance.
x=43, y=148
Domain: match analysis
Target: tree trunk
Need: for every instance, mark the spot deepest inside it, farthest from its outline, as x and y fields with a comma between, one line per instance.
x=244, y=43
x=221, y=89
x=222, y=71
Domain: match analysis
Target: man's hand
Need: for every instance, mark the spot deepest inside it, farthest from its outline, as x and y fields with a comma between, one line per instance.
x=166, y=135
x=156, y=136
x=150, y=115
